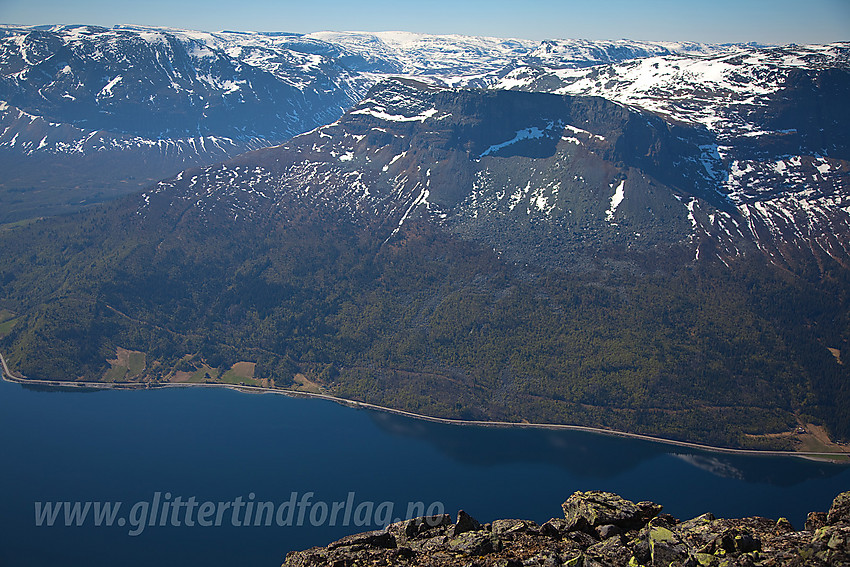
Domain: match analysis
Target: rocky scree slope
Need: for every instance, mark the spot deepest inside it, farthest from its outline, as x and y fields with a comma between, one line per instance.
x=599, y=529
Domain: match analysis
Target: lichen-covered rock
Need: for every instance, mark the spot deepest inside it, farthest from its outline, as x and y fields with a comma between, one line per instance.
x=815, y=520
x=587, y=510
x=697, y=523
x=609, y=530
x=784, y=525
x=418, y=527
x=831, y=544
x=474, y=543
x=379, y=538
x=556, y=527
x=665, y=547
x=515, y=526
x=610, y=550
x=710, y=536
x=839, y=512
x=599, y=529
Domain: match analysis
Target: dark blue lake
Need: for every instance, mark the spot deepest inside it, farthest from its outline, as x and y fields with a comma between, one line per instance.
x=226, y=450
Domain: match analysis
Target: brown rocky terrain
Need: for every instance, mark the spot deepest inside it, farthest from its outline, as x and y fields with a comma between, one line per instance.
x=598, y=529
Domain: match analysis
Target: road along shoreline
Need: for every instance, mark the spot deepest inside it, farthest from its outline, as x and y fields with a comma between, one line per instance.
x=9, y=376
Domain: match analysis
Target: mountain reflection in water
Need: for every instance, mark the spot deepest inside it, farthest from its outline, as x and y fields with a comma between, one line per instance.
x=592, y=455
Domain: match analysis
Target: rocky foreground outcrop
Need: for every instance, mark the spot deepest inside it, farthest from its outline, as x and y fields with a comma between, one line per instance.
x=598, y=529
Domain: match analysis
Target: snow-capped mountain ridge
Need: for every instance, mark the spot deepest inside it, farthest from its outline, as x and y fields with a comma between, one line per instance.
x=79, y=90
x=775, y=119
x=369, y=165
x=168, y=99
x=411, y=149
x=100, y=67
x=453, y=57
x=82, y=98
x=77, y=74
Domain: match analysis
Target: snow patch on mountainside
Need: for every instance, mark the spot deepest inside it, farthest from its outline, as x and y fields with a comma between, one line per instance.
x=707, y=90
x=616, y=199
x=382, y=115
x=532, y=133
x=106, y=91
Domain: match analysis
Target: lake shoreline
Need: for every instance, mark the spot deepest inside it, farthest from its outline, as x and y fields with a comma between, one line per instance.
x=8, y=376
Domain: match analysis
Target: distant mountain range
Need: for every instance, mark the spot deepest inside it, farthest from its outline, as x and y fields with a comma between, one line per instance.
x=89, y=113
x=555, y=232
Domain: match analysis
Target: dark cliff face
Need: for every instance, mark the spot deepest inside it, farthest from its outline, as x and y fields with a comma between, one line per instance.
x=536, y=176
x=589, y=172
x=773, y=156
x=599, y=529
x=811, y=108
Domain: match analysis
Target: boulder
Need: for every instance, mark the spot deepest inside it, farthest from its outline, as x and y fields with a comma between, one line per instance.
x=556, y=527
x=665, y=547
x=784, y=525
x=736, y=541
x=514, y=526
x=465, y=523
x=815, y=520
x=831, y=544
x=474, y=543
x=608, y=530
x=610, y=552
x=379, y=538
x=699, y=522
x=840, y=510
x=587, y=510
x=416, y=528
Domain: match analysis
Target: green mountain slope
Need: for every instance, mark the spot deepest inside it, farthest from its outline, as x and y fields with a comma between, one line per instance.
x=354, y=257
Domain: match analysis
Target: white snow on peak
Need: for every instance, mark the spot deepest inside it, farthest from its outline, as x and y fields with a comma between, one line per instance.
x=395, y=159
x=660, y=84
x=823, y=167
x=611, y=51
x=707, y=87
x=425, y=54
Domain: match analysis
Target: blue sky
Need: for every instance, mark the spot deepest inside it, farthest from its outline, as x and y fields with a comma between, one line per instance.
x=767, y=21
